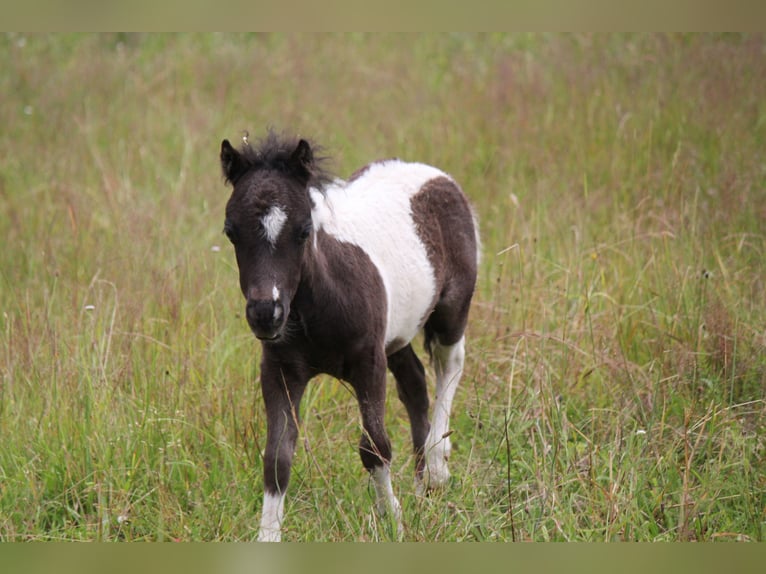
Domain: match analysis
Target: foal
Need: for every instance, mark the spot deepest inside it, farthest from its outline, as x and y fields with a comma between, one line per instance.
x=339, y=277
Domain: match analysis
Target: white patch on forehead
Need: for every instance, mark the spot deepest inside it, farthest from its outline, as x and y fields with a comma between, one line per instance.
x=273, y=222
x=275, y=293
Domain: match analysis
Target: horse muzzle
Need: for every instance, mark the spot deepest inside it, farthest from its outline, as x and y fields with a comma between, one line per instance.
x=266, y=318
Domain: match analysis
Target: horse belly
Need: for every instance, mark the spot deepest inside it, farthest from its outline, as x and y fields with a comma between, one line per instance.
x=410, y=289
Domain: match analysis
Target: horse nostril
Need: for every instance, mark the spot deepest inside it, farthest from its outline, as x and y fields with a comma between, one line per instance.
x=250, y=312
x=265, y=314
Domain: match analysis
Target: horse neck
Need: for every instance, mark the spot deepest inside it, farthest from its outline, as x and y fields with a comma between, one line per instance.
x=319, y=273
x=318, y=261
x=316, y=276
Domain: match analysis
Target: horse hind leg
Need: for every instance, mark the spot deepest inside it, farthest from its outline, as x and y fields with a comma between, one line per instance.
x=445, y=341
x=448, y=365
x=451, y=238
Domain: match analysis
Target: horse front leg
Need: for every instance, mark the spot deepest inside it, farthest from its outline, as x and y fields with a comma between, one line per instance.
x=282, y=390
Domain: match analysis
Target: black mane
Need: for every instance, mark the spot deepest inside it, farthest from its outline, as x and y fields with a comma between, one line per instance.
x=274, y=152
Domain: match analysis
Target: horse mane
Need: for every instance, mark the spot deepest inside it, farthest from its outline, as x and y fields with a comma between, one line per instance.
x=274, y=151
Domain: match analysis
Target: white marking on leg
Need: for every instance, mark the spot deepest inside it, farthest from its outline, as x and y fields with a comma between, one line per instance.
x=271, y=517
x=448, y=364
x=273, y=222
x=385, y=500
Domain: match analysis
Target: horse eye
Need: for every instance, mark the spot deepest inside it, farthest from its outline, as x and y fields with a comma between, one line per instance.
x=228, y=229
x=304, y=233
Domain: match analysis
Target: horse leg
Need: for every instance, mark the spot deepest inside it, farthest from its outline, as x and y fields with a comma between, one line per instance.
x=412, y=390
x=374, y=446
x=282, y=392
x=448, y=364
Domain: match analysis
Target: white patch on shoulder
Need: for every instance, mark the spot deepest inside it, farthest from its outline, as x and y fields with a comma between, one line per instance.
x=374, y=213
x=273, y=222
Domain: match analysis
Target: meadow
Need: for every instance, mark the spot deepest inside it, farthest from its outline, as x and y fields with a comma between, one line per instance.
x=615, y=381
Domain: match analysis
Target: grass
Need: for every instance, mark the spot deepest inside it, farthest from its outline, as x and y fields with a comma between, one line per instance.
x=615, y=384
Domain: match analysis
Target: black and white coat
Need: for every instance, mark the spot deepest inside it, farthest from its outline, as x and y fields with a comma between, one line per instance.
x=339, y=278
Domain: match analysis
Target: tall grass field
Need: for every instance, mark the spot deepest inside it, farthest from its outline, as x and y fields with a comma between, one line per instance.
x=615, y=379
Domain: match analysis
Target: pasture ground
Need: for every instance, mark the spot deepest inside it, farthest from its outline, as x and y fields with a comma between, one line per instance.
x=615, y=385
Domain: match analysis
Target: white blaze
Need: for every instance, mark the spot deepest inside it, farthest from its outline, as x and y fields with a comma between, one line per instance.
x=277, y=307
x=273, y=222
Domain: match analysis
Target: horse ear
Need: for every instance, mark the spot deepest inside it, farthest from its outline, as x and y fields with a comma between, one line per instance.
x=302, y=160
x=231, y=162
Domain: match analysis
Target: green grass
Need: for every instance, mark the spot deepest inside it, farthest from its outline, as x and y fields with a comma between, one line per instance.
x=615, y=384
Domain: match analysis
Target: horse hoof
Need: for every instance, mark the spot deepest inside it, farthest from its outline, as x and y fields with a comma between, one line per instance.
x=434, y=477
